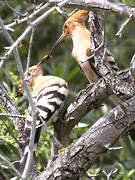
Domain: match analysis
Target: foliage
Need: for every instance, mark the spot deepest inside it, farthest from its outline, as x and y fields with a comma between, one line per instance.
x=131, y=2
x=64, y=66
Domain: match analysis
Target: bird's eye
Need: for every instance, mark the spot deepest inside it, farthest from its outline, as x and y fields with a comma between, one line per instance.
x=29, y=74
x=66, y=26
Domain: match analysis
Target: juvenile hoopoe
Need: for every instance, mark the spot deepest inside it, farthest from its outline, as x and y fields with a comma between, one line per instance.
x=48, y=94
x=75, y=28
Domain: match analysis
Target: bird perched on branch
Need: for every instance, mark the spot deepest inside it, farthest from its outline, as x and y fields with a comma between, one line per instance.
x=75, y=28
x=48, y=94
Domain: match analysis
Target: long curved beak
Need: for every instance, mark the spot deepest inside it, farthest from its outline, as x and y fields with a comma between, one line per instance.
x=48, y=57
x=57, y=42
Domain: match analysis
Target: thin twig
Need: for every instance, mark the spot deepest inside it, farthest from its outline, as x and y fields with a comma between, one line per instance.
x=132, y=66
x=50, y=134
x=10, y=165
x=115, y=148
x=2, y=62
x=91, y=175
x=113, y=171
x=119, y=33
x=10, y=132
x=20, y=69
x=18, y=61
x=104, y=42
x=3, y=166
x=54, y=141
x=19, y=21
x=30, y=47
x=31, y=144
x=12, y=115
x=62, y=12
x=94, y=52
x=11, y=109
x=32, y=137
x=132, y=63
x=70, y=14
x=52, y=156
x=14, y=10
x=33, y=24
x=104, y=54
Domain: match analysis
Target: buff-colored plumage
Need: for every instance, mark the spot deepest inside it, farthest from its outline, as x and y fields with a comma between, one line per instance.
x=37, y=80
x=48, y=95
x=75, y=28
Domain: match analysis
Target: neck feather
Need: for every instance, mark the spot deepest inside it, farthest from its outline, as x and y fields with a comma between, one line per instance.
x=81, y=42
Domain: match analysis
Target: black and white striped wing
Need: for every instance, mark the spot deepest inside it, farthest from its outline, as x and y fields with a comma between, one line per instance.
x=47, y=101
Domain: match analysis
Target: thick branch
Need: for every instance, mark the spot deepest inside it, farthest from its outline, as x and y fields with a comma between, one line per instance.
x=114, y=6
x=121, y=83
x=85, y=101
x=77, y=158
x=115, y=80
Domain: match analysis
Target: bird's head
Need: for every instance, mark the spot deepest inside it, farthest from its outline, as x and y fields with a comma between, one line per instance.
x=70, y=24
x=30, y=76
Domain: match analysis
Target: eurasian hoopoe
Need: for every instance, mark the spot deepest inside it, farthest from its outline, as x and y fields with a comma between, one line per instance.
x=75, y=28
x=49, y=93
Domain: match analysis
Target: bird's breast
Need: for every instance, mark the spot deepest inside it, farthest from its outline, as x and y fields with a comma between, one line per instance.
x=79, y=51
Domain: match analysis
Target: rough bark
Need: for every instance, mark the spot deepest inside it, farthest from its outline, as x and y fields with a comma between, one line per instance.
x=77, y=158
x=114, y=6
x=121, y=83
x=75, y=161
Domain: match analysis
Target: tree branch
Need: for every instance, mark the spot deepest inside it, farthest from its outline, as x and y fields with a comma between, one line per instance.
x=85, y=101
x=12, y=109
x=119, y=33
x=77, y=158
x=116, y=81
x=112, y=82
x=29, y=28
x=114, y=6
x=34, y=112
x=10, y=165
x=37, y=10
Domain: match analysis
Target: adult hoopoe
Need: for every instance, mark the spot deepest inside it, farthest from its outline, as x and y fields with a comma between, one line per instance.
x=75, y=28
x=49, y=93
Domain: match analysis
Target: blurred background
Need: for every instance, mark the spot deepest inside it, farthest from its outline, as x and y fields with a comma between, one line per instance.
x=64, y=65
